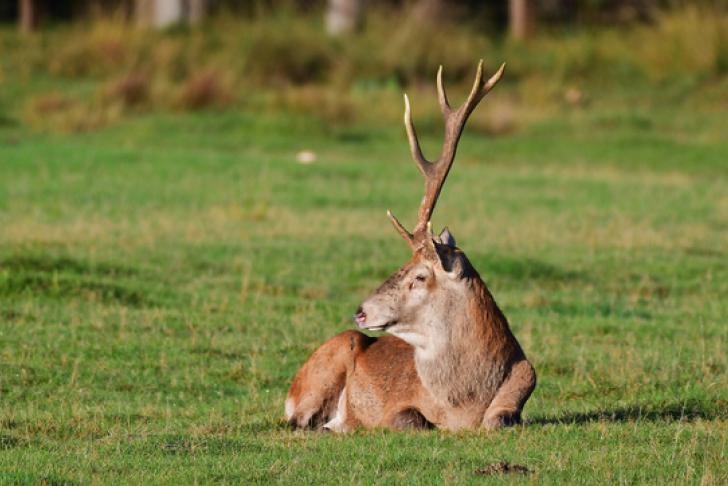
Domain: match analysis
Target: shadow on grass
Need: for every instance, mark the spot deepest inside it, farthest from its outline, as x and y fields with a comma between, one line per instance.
x=524, y=269
x=64, y=277
x=9, y=442
x=50, y=263
x=18, y=478
x=688, y=411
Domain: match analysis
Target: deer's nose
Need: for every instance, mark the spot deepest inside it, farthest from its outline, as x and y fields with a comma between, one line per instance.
x=360, y=317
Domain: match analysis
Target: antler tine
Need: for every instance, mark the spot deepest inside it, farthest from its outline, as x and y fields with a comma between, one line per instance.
x=475, y=90
x=409, y=238
x=441, y=95
x=480, y=89
x=422, y=163
x=493, y=80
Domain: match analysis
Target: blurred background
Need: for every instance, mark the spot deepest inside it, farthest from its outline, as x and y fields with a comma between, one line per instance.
x=78, y=65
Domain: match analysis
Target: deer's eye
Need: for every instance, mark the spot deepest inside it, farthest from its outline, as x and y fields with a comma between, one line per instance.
x=417, y=279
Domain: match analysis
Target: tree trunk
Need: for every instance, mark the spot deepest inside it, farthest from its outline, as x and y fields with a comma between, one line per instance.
x=159, y=13
x=343, y=16
x=167, y=12
x=429, y=12
x=521, y=18
x=26, y=15
x=197, y=10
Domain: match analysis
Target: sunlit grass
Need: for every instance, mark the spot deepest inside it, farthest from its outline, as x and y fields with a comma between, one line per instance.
x=162, y=280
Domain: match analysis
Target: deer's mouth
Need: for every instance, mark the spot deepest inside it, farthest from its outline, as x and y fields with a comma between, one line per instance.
x=361, y=320
x=382, y=327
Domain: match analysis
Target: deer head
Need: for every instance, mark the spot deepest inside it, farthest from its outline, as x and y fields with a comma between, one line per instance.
x=419, y=301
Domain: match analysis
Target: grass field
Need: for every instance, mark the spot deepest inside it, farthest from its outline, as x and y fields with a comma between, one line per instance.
x=162, y=279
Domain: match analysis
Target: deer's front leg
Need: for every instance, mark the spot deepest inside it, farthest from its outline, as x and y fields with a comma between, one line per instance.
x=506, y=407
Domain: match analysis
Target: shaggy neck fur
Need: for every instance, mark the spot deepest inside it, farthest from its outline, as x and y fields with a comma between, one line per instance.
x=473, y=359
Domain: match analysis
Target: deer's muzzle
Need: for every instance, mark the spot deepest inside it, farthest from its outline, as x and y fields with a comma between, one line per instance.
x=360, y=318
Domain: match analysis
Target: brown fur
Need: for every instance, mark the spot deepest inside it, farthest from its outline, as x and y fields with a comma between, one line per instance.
x=480, y=377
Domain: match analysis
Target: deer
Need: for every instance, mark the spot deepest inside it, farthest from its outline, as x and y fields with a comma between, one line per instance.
x=448, y=359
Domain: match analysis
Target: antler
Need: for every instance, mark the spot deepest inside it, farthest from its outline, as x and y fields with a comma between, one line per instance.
x=435, y=172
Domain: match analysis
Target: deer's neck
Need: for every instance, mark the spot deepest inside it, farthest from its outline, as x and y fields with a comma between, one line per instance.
x=468, y=360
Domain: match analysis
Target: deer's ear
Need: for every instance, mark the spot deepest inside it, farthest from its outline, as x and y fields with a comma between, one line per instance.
x=450, y=259
x=447, y=238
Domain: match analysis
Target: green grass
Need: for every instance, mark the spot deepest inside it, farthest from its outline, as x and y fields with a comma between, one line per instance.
x=162, y=280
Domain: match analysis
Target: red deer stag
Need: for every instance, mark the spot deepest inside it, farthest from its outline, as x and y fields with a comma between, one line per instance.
x=451, y=360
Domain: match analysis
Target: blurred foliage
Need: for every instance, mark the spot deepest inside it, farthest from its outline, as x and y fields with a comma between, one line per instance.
x=490, y=14
x=284, y=60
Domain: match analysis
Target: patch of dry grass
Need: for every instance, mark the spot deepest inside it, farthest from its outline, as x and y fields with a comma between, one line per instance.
x=204, y=89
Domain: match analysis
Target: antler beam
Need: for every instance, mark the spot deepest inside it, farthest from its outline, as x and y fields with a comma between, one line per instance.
x=435, y=172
